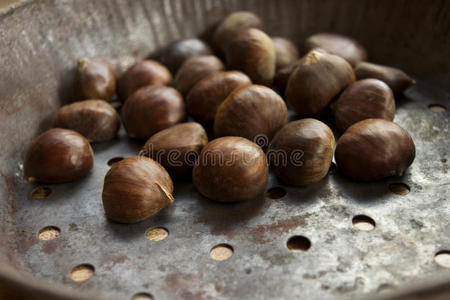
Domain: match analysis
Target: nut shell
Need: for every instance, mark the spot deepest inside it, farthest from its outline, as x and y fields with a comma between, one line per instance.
x=231, y=169
x=147, y=72
x=151, y=109
x=96, y=78
x=364, y=99
x=285, y=51
x=301, y=152
x=195, y=69
x=231, y=26
x=58, y=155
x=206, y=96
x=177, y=53
x=282, y=77
x=395, y=78
x=340, y=45
x=94, y=119
x=177, y=148
x=374, y=149
x=253, y=111
x=135, y=189
x=252, y=52
x=318, y=78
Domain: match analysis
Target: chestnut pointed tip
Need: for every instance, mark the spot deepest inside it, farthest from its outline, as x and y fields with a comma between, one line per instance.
x=165, y=192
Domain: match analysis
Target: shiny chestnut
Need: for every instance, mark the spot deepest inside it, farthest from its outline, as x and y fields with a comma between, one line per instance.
x=177, y=148
x=206, y=96
x=151, y=109
x=135, y=189
x=231, y=169
x=96, y=78
x=286, y=52
x=58, y=155
x=252, y=52
x=374, y=149
x=301, y=152
x=180, y=51
x=195, y=69
x=317, y=79
x=94, y=119
x=144, y=73
x=255, y=112
x=364, y=99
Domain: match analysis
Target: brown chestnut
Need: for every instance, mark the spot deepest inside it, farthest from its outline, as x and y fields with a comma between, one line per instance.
x=301, y=152
x=147, y=72
x=254, y=112
x=58, y=155
x=96, y=78
x=206, y=96
x=195, y=69
x=252, y=52
x=94, y=119
x=151, y=109
x=364, y=99
x=286, y=52
x=318, y=78
x=282, y=76
x=395, y=78
x=231, y=169
x=178, y=52
x=231, y=26
x=374, y=149
x=340, y=45
x=177, y=148
x=135, y=189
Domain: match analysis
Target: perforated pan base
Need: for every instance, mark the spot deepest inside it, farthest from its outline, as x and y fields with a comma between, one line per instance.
x=341, y=261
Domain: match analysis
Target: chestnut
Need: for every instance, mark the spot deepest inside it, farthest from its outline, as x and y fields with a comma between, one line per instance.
x=318, y=78
x=195, y=69
x=177, y=148
x=231, y=26
x=364, y=99
x=373, y=149
x=96, y=78
x=337, y=44
x=180, y=51
x=301, y=152
x=252, y=111
x=151, y=109
x=147, y=72
x=282, y=76
x=135, y=189
x=286, y=52
x=231, y=169
x=252, y=52
x=58, y=155
x=395, y=78
x=204, y=98
x=94, y=119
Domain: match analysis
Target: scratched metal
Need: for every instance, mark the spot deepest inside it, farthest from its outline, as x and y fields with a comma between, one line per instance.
x=39, y=55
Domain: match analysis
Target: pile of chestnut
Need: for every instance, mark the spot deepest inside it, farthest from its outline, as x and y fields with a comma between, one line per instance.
x=225, y=87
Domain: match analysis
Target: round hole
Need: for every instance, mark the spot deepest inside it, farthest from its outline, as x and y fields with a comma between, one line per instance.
x=442, y=258
x=48, y=233
x=399, y=188
x=114, y=160
x=276, y=192
x=437, y=107
x=156, y=234
x=363, y=222
x=298, y=243
x=142, y=296
x=221, y=252
x=41, y=192
x=82, y=272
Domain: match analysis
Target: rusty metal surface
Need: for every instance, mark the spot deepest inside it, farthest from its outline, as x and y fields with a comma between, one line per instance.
x=38, y=56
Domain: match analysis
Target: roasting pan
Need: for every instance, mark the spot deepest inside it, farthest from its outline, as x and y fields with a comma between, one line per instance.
x=40, y=42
